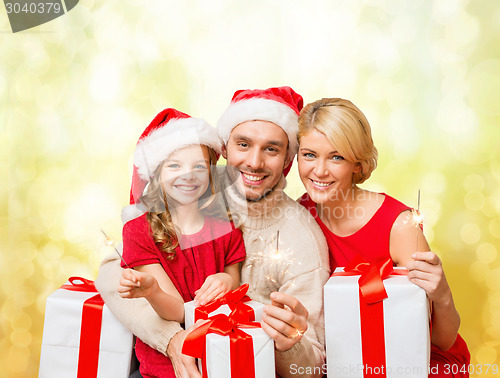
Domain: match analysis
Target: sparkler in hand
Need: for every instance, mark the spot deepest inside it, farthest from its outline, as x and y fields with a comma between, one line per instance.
x=110, y=243
x=417, y=217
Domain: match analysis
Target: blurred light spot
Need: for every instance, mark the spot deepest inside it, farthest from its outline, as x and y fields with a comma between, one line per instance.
x=474, y=200
x=484, y=82
x=22, y=322
x=494, y=227
x=403, y=28
x=486, y=355
x=105, y=81
x=470, y=233
x=18, y=358
x=433, y=183
x=457, y=118
x=478, y=271
x=473, y=182
x=20, y=338
x=406, y=138
x=493, y=279
x=378, y=87
x=386, y=56
x=486, y=253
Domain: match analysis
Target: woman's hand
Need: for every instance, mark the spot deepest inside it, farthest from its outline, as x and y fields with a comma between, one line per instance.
x=284, y=325
x=215, y=286
x=135, y=284
x=426, y=271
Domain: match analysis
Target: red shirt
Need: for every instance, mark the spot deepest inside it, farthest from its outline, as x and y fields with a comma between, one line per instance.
x=216, y=245
x=372, y=242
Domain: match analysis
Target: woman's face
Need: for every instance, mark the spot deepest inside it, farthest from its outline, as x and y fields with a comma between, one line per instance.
x=185, y=174
x=326, y=175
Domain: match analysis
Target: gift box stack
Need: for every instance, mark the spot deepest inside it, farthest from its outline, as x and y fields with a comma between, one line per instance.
x=81, y=337
x=231, y=342
x=376, y=323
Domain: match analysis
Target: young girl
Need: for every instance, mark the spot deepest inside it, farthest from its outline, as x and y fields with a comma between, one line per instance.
x=336, y=152
x=179, y=248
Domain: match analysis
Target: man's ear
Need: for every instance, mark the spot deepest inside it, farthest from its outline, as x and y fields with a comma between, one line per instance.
x=224, y=151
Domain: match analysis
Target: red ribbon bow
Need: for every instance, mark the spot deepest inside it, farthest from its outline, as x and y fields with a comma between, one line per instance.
x=234, y=299
x=371, y=310
x=90, y=331
x=240, y=343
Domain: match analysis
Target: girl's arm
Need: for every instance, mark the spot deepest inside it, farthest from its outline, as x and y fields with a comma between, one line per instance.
x=426, y=271
x=152, y=283
x=216, y=285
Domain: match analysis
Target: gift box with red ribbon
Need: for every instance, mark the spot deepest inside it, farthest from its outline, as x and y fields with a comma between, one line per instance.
x=230, y=346
x=376, y=323
x=81, y=337
x=232, y=300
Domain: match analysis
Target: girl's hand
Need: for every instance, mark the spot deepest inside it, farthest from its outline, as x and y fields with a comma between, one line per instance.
x=215, y=286
x=426, y=271
x=135, y=284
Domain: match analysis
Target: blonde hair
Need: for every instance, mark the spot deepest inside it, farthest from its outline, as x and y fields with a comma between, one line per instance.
x=163, y=229
x=346, y=128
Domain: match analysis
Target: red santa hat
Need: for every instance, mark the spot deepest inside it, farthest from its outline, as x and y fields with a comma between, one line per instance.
x=169, y=131
x=280, y=106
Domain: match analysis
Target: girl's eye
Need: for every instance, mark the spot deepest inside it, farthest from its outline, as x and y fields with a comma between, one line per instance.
x=200, y=166
x=173, y=166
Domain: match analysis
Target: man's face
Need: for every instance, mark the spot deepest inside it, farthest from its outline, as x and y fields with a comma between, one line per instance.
x=257, y=152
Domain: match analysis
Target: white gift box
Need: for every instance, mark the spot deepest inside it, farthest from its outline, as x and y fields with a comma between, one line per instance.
x=405, y=324
x=61, y=339
x=189, y=309
x=218, y=356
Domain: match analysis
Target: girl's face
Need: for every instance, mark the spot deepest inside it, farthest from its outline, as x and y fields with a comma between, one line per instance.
x=323, y=171
x=184, y=174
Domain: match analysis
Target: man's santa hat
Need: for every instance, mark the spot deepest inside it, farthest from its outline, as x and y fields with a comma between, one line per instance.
x=169, y=131
x=280, y=106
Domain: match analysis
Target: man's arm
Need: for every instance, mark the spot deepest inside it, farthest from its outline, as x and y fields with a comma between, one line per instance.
x=136, y=315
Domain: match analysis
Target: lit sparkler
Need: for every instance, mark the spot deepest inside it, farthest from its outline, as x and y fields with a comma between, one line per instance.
x=417, y=217
x=110, y=243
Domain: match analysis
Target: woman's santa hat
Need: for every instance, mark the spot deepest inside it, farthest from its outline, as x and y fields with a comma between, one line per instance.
x=280, y=106
x=169, y=131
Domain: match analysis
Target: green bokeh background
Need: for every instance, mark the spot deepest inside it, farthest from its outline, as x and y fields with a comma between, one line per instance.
x=76, y=93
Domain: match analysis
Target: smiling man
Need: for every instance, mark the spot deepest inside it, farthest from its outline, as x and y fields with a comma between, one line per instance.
x=259, y=130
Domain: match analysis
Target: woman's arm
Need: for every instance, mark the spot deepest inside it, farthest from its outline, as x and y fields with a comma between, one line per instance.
x=410, y=249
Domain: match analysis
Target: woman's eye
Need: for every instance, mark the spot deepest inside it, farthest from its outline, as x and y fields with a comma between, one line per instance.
x=337, y=158
x=308, y=155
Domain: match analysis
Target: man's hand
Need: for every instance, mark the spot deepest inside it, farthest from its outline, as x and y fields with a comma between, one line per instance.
x=184, y=366
x=215, y=286
x=427, y=272
x=285, y=320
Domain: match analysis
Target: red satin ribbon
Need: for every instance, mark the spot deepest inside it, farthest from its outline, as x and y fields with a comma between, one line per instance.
x=90, y=331
x=234, y=299
x=371, y=310
x=240, y=343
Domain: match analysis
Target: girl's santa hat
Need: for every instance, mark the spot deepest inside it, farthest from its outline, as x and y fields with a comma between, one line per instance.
x=280, y=106
x=169, y=131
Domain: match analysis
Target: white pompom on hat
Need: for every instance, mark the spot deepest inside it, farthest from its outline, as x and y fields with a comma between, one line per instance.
x=280, y=105
x=169, y=131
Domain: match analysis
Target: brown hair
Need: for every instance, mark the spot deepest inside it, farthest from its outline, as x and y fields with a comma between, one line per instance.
x=345, y=127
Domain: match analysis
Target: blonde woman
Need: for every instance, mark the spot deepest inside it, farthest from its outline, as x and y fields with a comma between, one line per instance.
x=336, y=153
